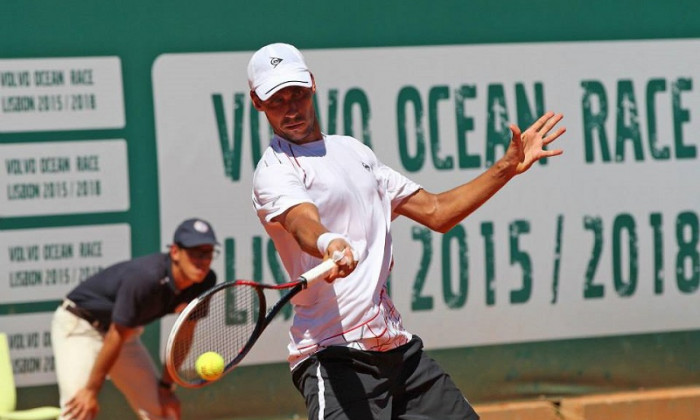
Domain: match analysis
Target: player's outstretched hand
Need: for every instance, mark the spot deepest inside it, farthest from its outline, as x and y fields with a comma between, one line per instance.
x=83, y=406
x=528, y=147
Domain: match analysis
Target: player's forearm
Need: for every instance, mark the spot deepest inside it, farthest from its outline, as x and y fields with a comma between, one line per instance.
x=304, y=223
x=306, y=235
x=458, y=203
x=441, y=212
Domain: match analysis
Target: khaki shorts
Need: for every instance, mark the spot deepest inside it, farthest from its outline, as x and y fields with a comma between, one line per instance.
x=76, y=344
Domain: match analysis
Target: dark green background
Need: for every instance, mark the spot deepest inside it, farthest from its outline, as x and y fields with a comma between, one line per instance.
x=139, y=31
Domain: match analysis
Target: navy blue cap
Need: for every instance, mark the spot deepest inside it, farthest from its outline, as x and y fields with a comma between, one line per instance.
x=194, y=232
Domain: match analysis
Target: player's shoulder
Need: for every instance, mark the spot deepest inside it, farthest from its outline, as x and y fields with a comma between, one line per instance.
x=274, y=169
x=351, y=143
x=268, y=157
x=346, y=141
x=275, y=154
x=343, y=139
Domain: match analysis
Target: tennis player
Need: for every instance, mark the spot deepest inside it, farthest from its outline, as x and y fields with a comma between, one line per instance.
x=95, y=332
x=350, y=355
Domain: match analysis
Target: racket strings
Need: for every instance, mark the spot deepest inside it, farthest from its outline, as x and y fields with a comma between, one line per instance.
x=224, y=322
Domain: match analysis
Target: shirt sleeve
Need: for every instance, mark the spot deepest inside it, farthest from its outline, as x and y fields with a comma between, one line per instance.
x=276, y=189
x=396, y=185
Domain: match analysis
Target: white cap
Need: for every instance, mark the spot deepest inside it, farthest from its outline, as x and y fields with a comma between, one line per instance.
x=276, y=66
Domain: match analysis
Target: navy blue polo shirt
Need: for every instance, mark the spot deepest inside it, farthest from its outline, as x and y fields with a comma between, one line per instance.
x=135, y=292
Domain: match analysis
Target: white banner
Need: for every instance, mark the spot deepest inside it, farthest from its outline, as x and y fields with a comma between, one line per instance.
x=600, y=241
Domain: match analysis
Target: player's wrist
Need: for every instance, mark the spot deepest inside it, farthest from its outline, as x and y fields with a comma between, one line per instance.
x=325, y=239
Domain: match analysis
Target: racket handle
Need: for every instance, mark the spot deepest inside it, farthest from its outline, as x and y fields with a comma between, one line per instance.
x=320, y=270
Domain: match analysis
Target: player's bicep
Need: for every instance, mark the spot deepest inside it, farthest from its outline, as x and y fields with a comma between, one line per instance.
x=300, y=213
x=418, y=206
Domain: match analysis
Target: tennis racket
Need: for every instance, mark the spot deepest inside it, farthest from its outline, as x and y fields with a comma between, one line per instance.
x=227, y=319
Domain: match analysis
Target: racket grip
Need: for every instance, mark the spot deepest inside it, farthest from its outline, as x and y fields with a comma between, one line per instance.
x=319, y=271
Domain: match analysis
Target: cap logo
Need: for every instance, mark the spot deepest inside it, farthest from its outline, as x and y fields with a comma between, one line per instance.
x=200, y=226
x=274, y=61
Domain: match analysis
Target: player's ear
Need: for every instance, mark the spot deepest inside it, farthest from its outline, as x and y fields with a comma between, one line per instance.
x=313, y=83
x=257, y=103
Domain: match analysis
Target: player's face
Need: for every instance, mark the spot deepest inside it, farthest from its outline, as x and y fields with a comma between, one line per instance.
x=291, y=114
x=194, y=263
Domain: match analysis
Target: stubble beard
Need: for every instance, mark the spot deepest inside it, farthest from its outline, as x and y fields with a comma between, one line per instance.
x=302, y=137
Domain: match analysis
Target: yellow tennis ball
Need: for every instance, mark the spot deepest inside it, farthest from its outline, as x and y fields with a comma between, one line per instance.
x=210, y=366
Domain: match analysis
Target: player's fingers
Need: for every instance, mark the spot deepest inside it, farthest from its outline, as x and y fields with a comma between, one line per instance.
x=351, y=259
x=345, y=263
x=337, y=257
x=550, y=138
x=348, y=256
x=550, y=153
x=537, y=126
x=550, y=123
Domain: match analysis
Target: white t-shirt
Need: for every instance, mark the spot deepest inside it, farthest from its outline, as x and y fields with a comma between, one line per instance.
x=355, y=195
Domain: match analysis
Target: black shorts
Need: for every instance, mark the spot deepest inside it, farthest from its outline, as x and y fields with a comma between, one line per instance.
x=341, y=383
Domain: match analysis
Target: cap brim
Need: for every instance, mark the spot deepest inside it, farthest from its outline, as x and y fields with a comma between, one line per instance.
x=275, y=83
x=194, y=243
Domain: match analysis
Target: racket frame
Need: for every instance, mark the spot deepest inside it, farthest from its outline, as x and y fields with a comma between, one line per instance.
x=263, y=320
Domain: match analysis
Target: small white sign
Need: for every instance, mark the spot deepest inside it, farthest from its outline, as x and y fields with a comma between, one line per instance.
x=46, y=264
x=63, y=177
x=29, y=339
x=61, y=94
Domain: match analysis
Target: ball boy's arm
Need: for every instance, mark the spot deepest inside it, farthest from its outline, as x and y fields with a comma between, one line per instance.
x=84, y=404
